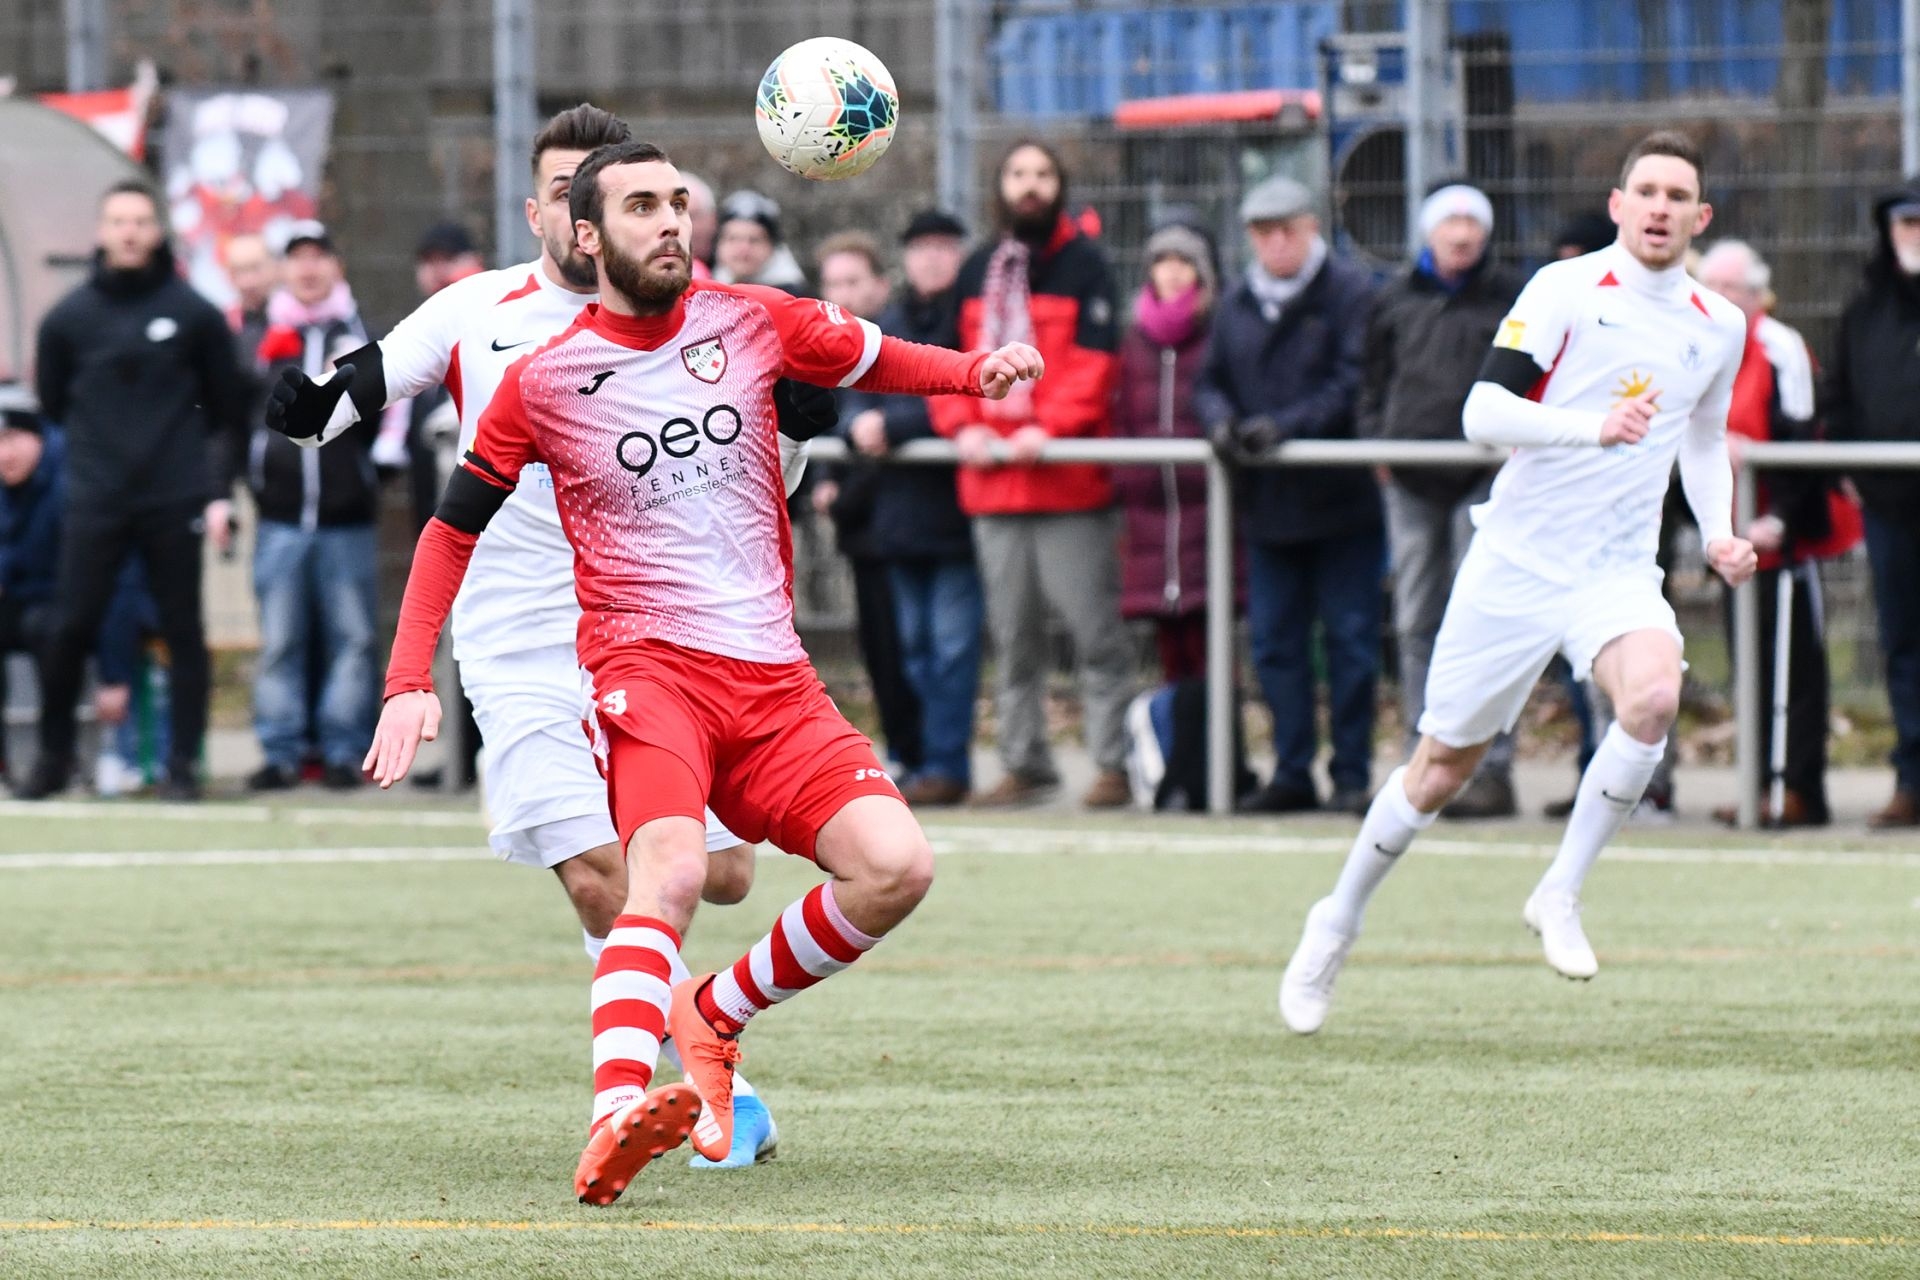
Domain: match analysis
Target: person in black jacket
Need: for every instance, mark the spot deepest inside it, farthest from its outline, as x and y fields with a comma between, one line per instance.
x=140, y=371
x=1873, y=394
x=916, y=519
x=852, y=277
x=32, y=488
x=1430, y=332
x=315, y=555
x=1284, y=363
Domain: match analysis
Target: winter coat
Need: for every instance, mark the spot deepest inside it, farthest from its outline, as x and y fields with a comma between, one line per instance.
x=1073, y=327
x=1425, y=346
x=904, y=512
x=1873, y=386
x=140, y=371
x=313, y=488
x=30, y=515
x=1164, y=556
x=1303, y=371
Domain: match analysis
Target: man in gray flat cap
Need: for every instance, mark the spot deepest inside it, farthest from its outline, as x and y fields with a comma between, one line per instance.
x=1285, y=363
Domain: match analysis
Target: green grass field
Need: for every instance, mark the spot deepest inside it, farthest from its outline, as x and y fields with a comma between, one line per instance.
x=373, y=1063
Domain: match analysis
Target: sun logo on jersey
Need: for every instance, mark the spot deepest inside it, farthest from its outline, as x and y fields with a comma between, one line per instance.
x=1631, y=385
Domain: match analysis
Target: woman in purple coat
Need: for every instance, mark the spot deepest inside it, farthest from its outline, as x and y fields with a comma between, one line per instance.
x=1164, y=568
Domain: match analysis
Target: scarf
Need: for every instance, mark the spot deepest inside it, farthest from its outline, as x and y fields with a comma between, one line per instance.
x=1168, y=323
x=1006, y=317
x=285, y=309
x=1274, y=293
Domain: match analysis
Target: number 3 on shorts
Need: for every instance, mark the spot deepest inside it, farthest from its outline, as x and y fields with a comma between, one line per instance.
x=615, y=703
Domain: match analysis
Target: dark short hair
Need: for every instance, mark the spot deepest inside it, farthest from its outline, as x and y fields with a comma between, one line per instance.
x=1667, y=142
x=587, y=202
x=136, y=187
x=582, y=128
x=854, y=242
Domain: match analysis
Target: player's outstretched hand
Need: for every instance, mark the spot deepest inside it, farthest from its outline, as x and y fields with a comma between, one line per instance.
x=1015, y=362
x=407, y=720
x=299, y=408
x=1734, y=559
x=1629, y=421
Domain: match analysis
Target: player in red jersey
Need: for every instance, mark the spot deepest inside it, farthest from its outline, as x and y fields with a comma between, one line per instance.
x=654, y=416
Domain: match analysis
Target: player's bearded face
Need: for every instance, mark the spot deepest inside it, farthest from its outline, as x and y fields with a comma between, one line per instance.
x=653, y=278
x=553, y=219
x=1659, y=210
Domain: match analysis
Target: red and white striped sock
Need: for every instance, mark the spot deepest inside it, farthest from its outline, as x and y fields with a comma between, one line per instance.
x=631, y=989
x=809, y=942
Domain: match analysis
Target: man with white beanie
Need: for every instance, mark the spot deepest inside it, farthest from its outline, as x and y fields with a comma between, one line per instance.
x=1431, y=328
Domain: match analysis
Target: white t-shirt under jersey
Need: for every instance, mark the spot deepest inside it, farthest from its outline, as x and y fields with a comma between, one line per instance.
x=519, y=592
x=1602, y=328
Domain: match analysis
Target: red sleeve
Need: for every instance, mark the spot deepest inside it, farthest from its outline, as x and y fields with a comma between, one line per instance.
x=916, y=369
x=503, y=440
x=439, y=564
x=819, y=341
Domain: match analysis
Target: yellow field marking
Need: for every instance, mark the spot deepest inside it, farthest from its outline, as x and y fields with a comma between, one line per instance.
x=479, y=1226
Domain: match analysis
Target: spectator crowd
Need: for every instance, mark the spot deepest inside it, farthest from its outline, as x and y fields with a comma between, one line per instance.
x=146, y=419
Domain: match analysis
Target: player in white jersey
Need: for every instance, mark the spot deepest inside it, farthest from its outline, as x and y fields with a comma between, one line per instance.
x=1608, y=368
x=514, y=622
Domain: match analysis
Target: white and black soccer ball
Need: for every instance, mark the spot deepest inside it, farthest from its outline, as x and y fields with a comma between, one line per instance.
x=827, y=109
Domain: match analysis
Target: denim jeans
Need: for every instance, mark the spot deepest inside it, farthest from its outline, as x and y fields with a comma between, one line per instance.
x=941, y=612
x=1337, y=583
x=301, y=576
x=1893, y=549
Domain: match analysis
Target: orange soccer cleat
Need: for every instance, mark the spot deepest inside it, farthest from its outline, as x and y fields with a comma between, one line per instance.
x=622, y=1144
x=707, y=1057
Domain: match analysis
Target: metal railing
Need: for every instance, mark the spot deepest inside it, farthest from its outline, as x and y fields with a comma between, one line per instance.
x=1394, y=453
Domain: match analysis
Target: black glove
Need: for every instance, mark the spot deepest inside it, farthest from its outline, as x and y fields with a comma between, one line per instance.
x=1237, y=441
x=300, y=408
x=804, y=410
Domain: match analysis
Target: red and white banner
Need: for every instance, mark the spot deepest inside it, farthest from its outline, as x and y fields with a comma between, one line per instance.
x=120, y=115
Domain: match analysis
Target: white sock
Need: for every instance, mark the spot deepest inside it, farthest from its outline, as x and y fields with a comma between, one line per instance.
x=594, y=946
x=1390, y=826
x=1615, y=780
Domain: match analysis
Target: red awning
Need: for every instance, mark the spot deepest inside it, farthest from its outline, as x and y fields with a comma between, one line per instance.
x=1216, y=108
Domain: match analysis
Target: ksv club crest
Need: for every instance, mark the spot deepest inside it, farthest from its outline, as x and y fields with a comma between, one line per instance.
x=706, y=361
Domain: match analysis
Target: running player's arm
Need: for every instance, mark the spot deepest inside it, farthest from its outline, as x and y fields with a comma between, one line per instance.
x=480, y=486
x=414, y=356
x=823, y=345
x=1706, y=472
x=1501, y=408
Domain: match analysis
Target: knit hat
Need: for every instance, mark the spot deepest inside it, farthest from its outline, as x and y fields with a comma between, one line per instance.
x=1455, y=201
x=18, y=408
x=1186, y=243
x=1276, y=200
x=751, y=206
x=933, y=222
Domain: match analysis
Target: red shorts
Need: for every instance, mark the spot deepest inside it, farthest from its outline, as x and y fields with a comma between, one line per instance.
x=761, y=744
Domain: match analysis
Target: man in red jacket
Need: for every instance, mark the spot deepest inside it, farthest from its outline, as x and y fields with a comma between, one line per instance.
x=1045, y=531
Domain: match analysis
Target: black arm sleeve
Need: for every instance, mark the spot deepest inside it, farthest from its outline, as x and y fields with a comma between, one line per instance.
x=369, y=389
x=1514, y=370
x=803, y=410
x=471, y=501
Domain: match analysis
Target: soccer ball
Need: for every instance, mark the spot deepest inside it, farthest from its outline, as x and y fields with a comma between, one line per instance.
x=826, y=109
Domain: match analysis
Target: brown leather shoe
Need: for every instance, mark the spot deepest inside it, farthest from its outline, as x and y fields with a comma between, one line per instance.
x=1012, y=792
x=1794, y=812
x=934, y=793
x=1901, y=811
x=1109, y=791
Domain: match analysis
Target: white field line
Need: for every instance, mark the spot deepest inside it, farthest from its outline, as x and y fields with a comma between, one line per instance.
x=218, y=813
x=1010, y=841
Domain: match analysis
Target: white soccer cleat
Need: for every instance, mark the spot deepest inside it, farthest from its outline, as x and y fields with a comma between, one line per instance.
x=1306, y=989
x=1555, y=916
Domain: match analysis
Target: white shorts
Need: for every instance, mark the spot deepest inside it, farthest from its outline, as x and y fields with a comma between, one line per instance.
x=1504, y=624
x=543, y=791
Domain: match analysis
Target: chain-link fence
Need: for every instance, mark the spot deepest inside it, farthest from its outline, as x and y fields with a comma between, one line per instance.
x=1157, y=106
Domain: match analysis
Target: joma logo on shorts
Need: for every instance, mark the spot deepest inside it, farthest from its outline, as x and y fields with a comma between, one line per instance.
x=871, y=775
x=678, y=438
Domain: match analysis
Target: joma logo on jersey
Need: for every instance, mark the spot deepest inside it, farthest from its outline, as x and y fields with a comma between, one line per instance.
x=706, y=361
x=678, y=438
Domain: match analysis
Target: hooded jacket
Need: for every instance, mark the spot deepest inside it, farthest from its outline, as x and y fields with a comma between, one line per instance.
x=1873, y=384
x=30, y=526
x=140, y=371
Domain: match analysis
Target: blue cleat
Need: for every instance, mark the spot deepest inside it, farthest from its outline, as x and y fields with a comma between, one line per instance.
x=755, y=1137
